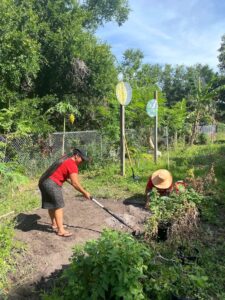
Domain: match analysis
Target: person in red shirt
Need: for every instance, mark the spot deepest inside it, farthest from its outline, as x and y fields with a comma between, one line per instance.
x=50, y=185
x=162, y=180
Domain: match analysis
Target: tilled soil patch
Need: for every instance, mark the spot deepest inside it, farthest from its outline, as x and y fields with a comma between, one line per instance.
x=47, y=254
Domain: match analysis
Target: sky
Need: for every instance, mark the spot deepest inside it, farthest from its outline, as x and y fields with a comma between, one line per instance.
x=170, y=31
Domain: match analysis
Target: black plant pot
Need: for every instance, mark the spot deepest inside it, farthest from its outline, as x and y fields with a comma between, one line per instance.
x=163, y=231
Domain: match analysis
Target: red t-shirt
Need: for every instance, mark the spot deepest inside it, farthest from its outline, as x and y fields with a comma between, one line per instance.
x=63, y=172
x=162, y=192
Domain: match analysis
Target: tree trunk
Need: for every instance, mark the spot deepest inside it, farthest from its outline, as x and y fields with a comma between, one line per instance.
x=213, y=134
x=151, y=144
x=175, y=139
x=149, y=140
x=194, y=129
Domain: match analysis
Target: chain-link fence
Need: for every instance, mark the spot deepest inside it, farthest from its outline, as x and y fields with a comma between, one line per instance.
x=36, y=152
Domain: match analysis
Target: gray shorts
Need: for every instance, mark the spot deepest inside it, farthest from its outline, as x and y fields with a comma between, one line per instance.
x=51, y=194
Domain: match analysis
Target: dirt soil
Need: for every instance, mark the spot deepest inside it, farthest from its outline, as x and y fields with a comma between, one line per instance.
x=47, y=254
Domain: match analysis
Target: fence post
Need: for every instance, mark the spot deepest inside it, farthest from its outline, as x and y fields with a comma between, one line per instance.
x=122, y=141
x=156, y=130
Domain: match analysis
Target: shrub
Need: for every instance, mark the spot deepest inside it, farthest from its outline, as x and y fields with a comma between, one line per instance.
x=203, y=139
x=110, y=268
x=176, y=216
x=10, y=173
x=118, y=267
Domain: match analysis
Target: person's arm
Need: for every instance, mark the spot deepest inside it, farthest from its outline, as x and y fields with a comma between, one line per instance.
x=76, y=184
x=147, y=196
x=147, y=192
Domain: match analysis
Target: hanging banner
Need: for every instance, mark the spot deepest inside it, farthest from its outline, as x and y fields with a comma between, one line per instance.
x=152, y=108
x=123, y=93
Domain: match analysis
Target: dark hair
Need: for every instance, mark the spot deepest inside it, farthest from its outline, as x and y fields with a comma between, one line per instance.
x=81, y=153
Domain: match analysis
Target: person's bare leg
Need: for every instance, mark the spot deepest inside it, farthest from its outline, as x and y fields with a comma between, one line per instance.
x=51, y=213
x=59, y=222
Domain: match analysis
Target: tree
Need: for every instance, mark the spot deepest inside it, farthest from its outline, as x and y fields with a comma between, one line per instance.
x=179, y=82
x=166, y=81
x=175, y=118
x=131, y=63
x=19, y=54
x=27, y=120
x=143, y=79
x=221, y=56
x=220, y=99
x=49, y=52
x=102, y=11
x=192, y=75
x=74, y=63
x=149, y=74
x=64, y=109
x=202, y=104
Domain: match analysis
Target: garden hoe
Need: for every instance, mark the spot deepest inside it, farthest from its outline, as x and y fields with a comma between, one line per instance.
x=135, y=178
x=134, y=231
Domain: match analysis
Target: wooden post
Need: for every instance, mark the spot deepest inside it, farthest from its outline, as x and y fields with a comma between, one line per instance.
x=167, y=147
x=122, y=140
x=156, y=130
x=64, y=130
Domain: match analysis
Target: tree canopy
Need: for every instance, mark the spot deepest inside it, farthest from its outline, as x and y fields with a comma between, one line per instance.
x=49, y=55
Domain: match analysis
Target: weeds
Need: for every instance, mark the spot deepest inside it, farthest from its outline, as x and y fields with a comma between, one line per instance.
x=118, y=267
x=6, y=246
x=177, y=215
x=195, y=220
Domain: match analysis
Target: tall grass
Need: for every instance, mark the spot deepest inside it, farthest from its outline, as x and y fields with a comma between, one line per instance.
x=16, y=195
x=6, y=245
x=105, y=181
x=16, y=191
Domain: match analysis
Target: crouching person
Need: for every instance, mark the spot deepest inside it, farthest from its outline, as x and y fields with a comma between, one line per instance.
x=162, y=181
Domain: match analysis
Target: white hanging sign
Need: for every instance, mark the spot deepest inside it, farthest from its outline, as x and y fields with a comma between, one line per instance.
x=152, y=108
x=123, y=93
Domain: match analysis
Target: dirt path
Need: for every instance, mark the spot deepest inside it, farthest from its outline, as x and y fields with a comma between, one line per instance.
x=46, y=253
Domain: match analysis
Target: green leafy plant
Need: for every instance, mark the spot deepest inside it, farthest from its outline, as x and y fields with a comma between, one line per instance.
x=110, y=268
x=11, y=173
x=178, y=214
x=64, y=109
x=203, y=139
x=119, y=267
x=6, y=246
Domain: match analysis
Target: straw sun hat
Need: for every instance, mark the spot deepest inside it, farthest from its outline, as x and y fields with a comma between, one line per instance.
x=162, y=179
